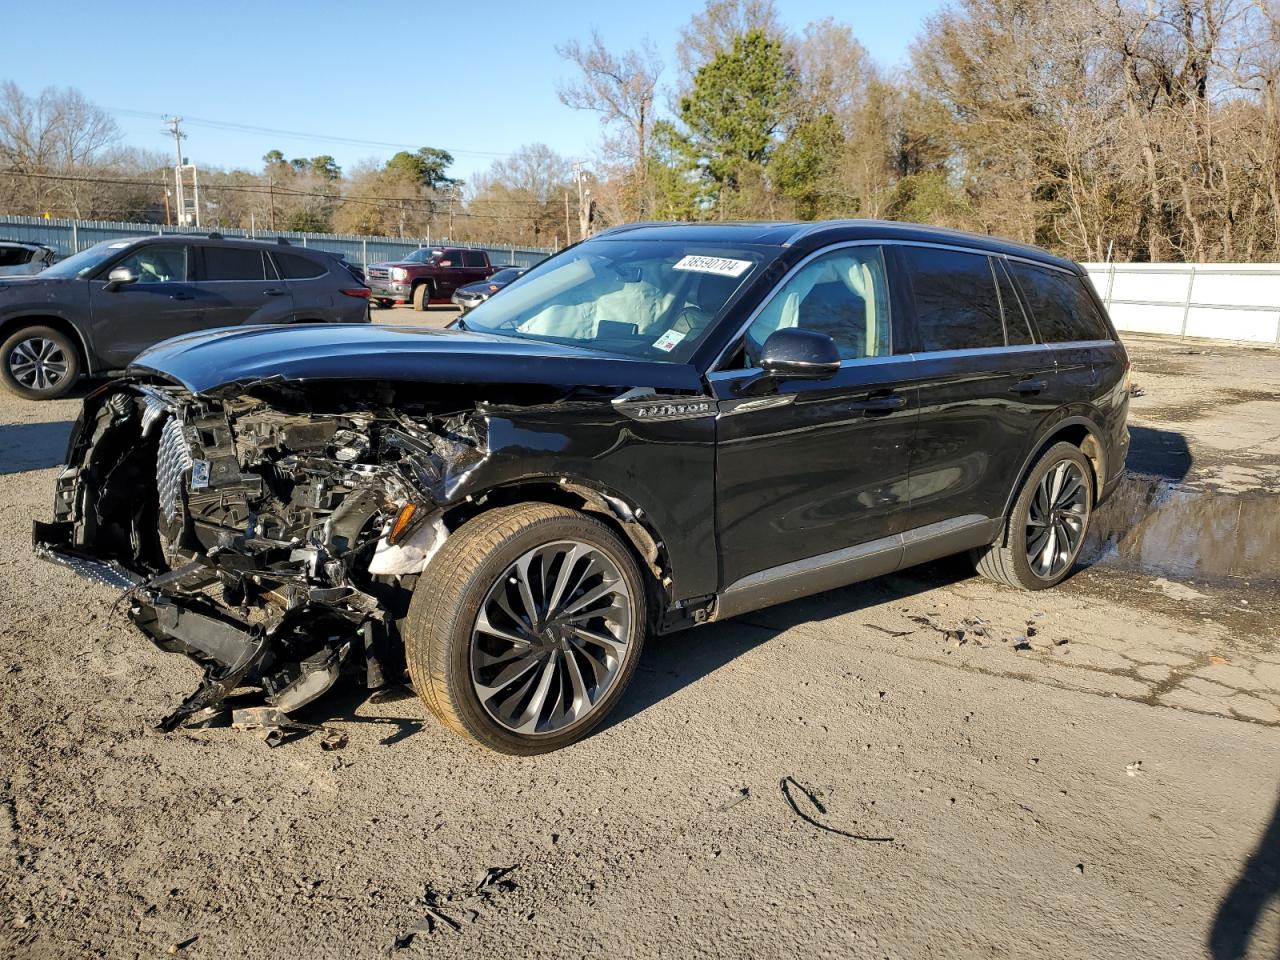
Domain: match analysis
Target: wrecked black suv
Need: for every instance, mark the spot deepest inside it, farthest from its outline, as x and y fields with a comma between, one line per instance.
x=664, y=426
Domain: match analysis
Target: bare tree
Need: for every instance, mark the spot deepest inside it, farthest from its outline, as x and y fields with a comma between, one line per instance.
x=713, y=31
x=57, y=133
x=621, y=88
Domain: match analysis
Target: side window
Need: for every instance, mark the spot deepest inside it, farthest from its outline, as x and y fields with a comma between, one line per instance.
x=957, y=307
x=843, y=294
x=295, y=267
x=472, y=258
x=158, y=263
x=14, y=256
x=1060, y=304
x=233, y=263
x=1017, y=329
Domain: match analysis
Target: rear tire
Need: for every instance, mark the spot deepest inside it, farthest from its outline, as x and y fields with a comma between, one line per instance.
x=1047, y=525
x=422, y=297
x=526, y=684
x=39, y=363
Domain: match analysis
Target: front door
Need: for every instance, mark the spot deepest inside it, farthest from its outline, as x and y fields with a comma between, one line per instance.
x=163, y=303
x=814, y=467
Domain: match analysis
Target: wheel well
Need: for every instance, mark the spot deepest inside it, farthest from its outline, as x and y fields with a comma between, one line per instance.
x=57, y=323
x=621, y=517
x=1074, y=433
x=1087, y=441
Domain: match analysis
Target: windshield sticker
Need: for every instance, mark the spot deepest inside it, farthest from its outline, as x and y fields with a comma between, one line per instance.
x=669, y=340
x=719, y=265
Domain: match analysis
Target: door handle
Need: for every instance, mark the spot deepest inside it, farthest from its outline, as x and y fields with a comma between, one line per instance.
x=1029, y=386
x=182, y=296
x=885, y=403
x=274, y=292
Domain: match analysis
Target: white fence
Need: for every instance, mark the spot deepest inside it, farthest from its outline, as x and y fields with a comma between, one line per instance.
x=1225, y=301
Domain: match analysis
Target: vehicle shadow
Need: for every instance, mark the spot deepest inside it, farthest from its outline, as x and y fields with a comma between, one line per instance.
x=33, y=446
x=1245, y=903
x=673, y=662
x=1159, y=453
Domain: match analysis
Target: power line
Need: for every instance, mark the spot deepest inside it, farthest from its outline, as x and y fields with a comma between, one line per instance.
x=299, y=135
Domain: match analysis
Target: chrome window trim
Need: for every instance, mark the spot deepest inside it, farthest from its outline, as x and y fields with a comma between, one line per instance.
x=715, y=376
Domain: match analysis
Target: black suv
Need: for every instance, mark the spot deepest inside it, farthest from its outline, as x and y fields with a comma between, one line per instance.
x=92, y=313
x=661, y=427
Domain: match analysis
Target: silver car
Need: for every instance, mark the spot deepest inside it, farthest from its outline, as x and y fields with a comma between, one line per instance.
x=20, y=258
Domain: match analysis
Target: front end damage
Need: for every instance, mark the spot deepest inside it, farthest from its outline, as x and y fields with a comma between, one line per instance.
x=272, y=536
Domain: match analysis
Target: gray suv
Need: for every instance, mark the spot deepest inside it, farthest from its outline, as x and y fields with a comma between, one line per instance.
x=92, y=313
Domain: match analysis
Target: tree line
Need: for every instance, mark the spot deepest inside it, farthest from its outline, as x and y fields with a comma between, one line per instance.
x=1137, y=129
x=1125, y=129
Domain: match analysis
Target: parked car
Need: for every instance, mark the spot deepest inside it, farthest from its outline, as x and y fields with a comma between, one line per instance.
x=92, y=313
x=474, y=294
x=661, y=427
x=426, y=276
x=22, y=258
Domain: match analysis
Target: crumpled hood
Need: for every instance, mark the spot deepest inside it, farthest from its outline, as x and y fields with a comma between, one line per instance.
x=211, y=361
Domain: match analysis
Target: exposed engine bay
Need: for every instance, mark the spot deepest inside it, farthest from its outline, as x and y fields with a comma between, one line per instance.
x=274, y=544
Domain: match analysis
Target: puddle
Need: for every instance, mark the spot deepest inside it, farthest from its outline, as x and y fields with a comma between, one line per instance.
x=1157, y=527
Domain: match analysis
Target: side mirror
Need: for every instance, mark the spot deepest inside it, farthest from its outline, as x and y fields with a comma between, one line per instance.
x=795, y=354
x=119, y=277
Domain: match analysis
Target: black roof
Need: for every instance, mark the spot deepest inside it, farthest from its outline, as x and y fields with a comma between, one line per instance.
x=812, y=234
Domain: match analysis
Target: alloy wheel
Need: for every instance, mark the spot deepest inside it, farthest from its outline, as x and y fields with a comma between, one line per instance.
x=38, y=363
x=1056, y=519
x=551, y=637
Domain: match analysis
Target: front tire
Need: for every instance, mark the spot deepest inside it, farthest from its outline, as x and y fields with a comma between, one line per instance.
x=526, y=627
x=422, y=297
x=1047, y=525
x=39, y=363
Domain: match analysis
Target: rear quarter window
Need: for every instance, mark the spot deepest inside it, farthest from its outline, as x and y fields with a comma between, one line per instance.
x=295, y=267
x=1060, y=304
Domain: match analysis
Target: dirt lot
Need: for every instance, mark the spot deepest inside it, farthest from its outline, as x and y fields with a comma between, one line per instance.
x=1091, y=772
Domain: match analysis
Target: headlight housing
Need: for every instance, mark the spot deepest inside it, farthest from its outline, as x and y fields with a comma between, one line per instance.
x=399, y=273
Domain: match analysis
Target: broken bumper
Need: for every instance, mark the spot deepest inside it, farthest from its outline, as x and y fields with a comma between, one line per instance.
x=231, y=649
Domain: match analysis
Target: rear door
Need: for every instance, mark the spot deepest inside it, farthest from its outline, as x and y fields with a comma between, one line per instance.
x=476, y=265
x=238, y=285
x=1089, y=359
x=984, y=386
x=162, y=304
x=816, y=466
x=315, y=289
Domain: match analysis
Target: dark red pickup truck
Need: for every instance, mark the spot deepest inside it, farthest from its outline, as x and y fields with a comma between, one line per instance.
x=426, y=276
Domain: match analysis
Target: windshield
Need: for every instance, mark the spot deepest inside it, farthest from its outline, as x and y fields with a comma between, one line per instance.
x=421, y=256
x=653, y=299
x=505, y=276
x=86, y=261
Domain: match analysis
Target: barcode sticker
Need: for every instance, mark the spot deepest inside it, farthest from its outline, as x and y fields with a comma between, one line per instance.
x=669, y=341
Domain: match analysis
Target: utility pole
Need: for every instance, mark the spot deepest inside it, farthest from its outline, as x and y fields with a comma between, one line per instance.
x=568, y=231
x=584, y=200
x=175, y=128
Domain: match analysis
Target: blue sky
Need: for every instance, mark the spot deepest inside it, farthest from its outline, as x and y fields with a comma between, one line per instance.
x=477, y=84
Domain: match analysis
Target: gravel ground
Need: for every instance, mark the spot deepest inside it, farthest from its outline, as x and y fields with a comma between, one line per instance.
x=923, y=765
